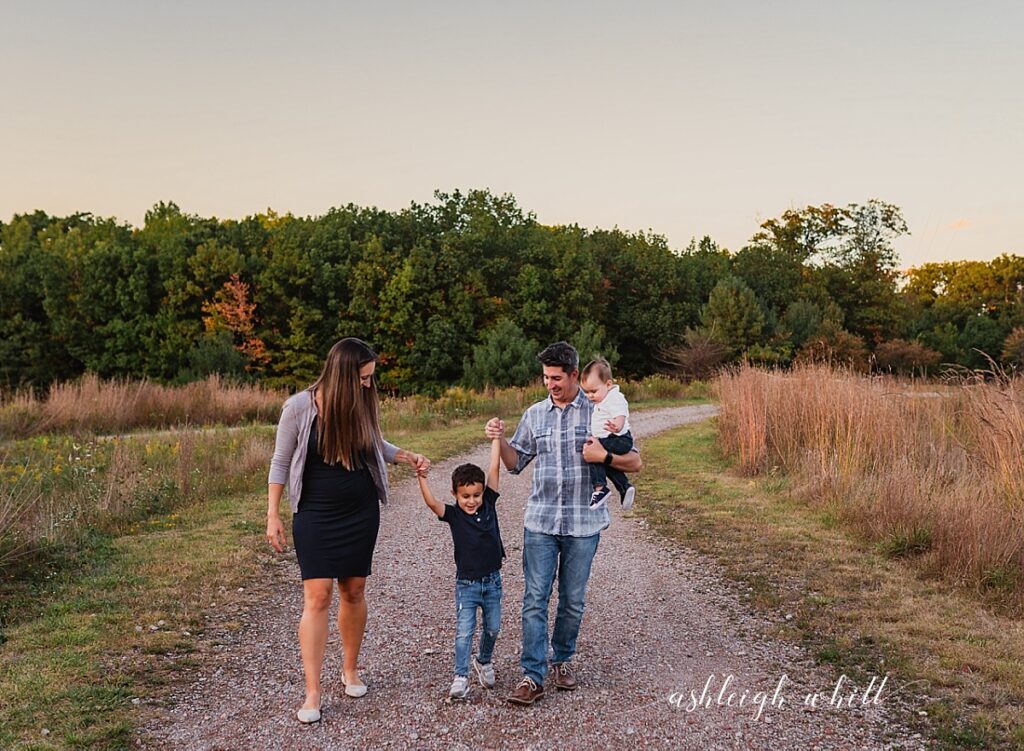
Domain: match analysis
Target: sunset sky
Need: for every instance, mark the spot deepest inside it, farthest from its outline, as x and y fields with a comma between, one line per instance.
x=683, y=118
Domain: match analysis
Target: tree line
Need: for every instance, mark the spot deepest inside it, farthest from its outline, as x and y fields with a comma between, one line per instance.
x=466, y=288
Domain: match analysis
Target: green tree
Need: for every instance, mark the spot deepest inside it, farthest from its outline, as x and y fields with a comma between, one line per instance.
x=733, y=316
x=506, y=357
x=591, y=342
x=802, y=320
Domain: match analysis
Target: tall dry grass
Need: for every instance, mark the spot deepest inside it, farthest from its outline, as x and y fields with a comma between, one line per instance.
x=934, y=474
x=93, y=406
x=64, y=481
x=53, y=490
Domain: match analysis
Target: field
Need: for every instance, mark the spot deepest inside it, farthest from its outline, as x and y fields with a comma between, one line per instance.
x=114, y=547
x=70, y=465
x=932, y=473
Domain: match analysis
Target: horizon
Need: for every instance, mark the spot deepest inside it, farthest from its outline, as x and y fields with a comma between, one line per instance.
x=681, y=121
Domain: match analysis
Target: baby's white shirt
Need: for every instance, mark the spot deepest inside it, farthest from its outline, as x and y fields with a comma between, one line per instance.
x=613, y=405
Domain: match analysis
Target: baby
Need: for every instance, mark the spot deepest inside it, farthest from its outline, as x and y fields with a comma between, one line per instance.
x=610, y=426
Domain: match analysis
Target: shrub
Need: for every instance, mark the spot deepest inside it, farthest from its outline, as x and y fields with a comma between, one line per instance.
x=1013, y=348
x=905, y=358
x=701, y=356
x=836, y=347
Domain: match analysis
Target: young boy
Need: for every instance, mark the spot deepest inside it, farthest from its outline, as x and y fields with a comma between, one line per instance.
x=478, y=553
x=610, y=426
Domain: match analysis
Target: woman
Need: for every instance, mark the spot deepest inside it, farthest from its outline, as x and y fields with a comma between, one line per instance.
x=330, y=453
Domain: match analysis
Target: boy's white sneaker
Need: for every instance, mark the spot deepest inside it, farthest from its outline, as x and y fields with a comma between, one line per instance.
x=484, y=673
x=628, y=497
x=459, y=689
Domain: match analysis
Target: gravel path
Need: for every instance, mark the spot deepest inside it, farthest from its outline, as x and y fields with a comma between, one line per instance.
x=660, y=622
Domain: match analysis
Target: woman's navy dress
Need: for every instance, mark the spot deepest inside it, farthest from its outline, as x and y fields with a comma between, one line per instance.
x=335, y=528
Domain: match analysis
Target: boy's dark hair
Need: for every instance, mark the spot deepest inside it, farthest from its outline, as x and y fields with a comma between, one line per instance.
x=561, y=355
x=467, y=474
x=599, y=367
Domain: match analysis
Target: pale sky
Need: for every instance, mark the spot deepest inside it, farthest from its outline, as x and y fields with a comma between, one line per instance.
x=685, y=118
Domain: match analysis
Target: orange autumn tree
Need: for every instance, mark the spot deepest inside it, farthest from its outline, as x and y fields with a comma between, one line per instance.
x=231, y=311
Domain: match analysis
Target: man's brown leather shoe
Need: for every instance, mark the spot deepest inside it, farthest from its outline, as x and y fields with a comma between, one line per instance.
x=565, y=678
x=527, y=692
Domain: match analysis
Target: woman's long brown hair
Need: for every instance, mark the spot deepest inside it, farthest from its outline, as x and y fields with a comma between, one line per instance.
x=349, y=424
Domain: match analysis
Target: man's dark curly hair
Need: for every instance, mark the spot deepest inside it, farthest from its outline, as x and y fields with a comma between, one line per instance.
x=562, y=355
x=467, y=474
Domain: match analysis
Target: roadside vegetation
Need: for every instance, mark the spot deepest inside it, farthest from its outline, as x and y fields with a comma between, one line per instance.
x=853, y=601
x=933, y=475
x=112, y=550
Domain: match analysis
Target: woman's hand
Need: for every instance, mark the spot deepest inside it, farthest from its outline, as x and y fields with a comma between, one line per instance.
x=418, y=462
x=275, y=532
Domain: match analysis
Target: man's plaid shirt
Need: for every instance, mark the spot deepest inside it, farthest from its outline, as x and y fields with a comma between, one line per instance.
x=559, y=502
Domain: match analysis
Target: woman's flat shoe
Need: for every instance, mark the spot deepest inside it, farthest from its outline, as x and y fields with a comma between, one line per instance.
x=355, y=690
x=308, y=716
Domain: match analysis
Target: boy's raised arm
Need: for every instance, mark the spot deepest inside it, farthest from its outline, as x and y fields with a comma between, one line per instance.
x=494, y=468
x=432, y=503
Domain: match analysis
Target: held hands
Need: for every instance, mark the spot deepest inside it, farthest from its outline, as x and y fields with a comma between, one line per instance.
x=495, y=428
x=275, y=533
x=419, y=463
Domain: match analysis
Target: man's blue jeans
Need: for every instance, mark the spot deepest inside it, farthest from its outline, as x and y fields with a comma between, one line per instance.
x=471, y=594
x=543, y=556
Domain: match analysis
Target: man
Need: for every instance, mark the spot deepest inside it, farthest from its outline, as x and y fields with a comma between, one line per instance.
x=561, y=530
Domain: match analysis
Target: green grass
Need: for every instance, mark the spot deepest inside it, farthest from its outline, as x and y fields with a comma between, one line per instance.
x=853, y=604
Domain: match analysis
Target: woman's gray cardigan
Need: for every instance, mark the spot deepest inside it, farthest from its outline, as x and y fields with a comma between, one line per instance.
x=290, y=449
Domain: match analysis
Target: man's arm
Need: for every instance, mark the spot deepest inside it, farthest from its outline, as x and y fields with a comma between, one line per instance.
x=595, y=453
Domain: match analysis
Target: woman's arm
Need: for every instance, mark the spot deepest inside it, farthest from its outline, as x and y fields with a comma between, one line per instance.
x=417, y=461
x=275, y=529
x=285, y=443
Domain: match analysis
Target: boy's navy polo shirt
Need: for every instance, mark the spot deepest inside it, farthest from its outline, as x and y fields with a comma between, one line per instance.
x=478, y=548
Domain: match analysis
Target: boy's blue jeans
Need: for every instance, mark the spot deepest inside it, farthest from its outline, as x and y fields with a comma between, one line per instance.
x=599, y=474
x=543, y=556
x=471, y=594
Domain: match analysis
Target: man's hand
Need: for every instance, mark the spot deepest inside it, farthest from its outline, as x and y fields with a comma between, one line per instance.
x=593, y=451
x=495, y=428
